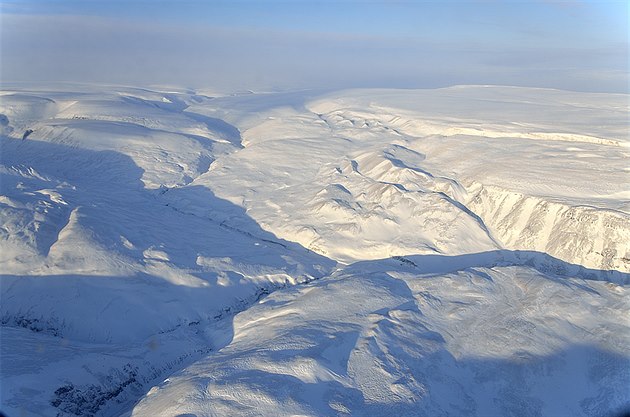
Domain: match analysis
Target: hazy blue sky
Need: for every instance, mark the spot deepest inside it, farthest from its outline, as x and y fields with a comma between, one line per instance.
x=235, y=45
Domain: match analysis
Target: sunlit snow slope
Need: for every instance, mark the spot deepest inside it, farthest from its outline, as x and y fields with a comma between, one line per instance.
x=459, y=251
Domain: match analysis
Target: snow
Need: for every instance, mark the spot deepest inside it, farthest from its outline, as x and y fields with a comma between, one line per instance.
x=457, y=251
x=477, y=342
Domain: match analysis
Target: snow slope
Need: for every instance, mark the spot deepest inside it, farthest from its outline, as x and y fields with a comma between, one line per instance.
x=459, y=251
x=364, y=179
x=395, y=341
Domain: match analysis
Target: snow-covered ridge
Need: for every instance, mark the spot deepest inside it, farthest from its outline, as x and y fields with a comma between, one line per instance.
x=452, y=127
x=373, y=175
x=144, y=231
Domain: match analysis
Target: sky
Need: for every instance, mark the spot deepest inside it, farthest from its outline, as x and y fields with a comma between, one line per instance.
x=286, y=45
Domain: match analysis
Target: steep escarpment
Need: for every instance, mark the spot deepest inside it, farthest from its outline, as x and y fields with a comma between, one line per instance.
x=590, y=236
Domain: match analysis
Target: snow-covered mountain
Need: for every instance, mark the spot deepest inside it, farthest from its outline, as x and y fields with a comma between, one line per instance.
x=458, y=251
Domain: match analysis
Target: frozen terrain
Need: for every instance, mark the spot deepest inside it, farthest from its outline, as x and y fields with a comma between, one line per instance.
x=457, y=251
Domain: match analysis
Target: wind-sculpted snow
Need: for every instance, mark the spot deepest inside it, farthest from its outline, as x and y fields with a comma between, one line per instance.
x=460, y=251
x=405, y=192
x=396, y=340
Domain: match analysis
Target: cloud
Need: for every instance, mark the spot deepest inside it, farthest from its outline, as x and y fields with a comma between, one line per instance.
x=106, y=50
